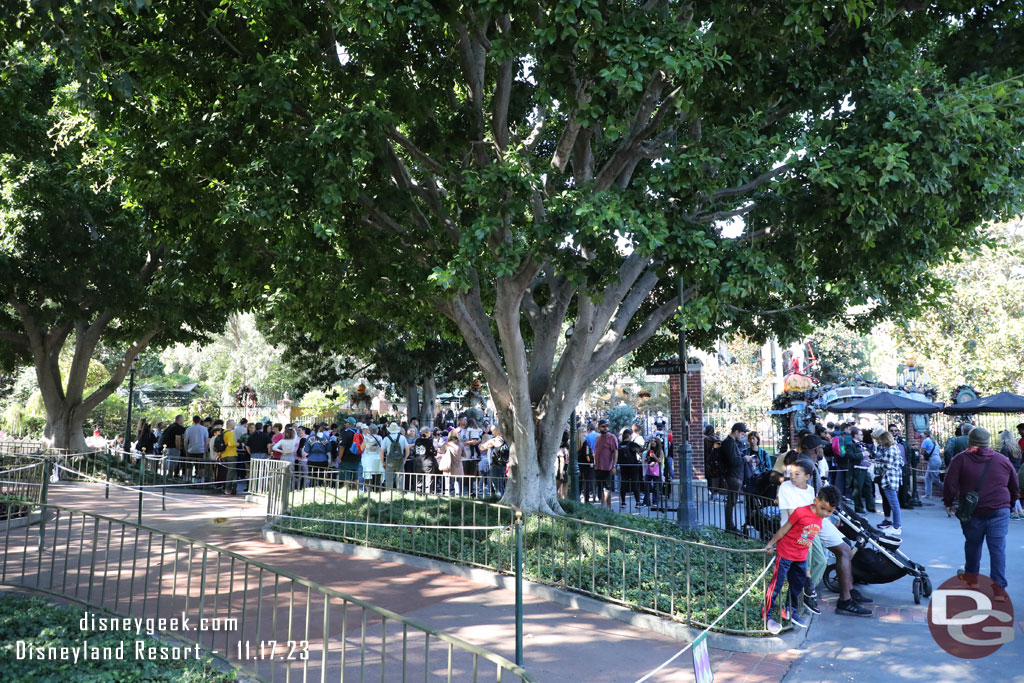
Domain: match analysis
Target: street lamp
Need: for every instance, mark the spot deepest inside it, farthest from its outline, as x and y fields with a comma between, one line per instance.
x=131, y=395
x=908, y=378
x=574, y=463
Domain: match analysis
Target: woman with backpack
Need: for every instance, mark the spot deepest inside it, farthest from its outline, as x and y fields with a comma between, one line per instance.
x=628, y=460
x=498, y=452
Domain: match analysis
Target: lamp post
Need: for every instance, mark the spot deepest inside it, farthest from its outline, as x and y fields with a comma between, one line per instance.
x=910, y=375
x=128, y=426
x=686, y=516
x=574, y=464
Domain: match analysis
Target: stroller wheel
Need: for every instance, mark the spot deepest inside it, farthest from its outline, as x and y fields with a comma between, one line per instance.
x=830, y=578
x=927, y=587
x=918, y=590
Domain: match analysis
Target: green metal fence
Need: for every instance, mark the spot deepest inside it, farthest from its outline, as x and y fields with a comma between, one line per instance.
x=687, y=581
x=273, y=623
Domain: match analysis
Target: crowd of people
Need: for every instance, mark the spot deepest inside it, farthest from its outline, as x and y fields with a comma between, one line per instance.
x=835, y=462
x=455, y=458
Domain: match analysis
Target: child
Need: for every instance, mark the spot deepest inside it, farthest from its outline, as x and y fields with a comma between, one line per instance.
x=794, y=540
x=797, y=493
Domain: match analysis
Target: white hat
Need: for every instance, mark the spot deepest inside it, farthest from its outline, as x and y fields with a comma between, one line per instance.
x=393, y=428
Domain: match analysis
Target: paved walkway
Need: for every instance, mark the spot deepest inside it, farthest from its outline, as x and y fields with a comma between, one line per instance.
x=561, y=643
x=567, y=644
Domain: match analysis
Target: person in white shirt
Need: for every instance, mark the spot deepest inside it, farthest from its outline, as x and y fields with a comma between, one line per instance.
x=286, y=446
x=372, y=463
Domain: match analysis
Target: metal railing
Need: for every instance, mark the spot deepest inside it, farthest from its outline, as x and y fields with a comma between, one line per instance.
x=276, y=624
x=687, y=581
x=22, y=479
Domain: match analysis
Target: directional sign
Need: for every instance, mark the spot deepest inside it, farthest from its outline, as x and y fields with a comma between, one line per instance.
x=664, y=367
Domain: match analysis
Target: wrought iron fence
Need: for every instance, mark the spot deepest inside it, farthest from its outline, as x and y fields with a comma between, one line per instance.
x=22, y=479
x=756, y=420
x=687, y=581
x=270, y=622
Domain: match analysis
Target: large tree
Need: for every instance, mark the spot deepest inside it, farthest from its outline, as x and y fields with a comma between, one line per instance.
x=573, y=162
x=98, y=245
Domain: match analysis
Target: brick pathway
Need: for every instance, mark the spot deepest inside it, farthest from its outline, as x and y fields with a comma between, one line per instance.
x=562, y=644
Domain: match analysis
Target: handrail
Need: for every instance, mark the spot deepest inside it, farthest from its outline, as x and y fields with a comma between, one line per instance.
x=98, y=520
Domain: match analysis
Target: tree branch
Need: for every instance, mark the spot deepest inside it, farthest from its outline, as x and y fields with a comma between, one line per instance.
x=379, y=217
x=117, y=378
x=757, y=182
x=503, y=91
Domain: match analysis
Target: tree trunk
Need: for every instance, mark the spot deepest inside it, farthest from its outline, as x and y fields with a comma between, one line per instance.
x=429, y=401
x=412, y=406
x=64, y=430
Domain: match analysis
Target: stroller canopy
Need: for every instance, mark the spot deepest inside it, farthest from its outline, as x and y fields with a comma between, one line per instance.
x=887, y=402
x=1003, y=402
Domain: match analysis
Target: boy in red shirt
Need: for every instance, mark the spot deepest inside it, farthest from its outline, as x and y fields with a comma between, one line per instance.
x=794, y=540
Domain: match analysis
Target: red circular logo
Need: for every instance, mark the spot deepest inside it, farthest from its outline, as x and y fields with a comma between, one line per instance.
x=970, y=616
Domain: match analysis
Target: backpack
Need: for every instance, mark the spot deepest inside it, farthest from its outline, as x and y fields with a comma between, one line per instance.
x=395, y=452
x=220, y=444
x=317, y=449
x=354, y=449
x=499, y=456
x=714, y=465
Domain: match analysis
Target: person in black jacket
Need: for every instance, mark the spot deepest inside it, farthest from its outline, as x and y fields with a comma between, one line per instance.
x=731, y=463
x=628, y=460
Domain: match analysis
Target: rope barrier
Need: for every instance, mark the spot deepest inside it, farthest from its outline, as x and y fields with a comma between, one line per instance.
x=21, y=483
x=709, y=626
x=25, y=467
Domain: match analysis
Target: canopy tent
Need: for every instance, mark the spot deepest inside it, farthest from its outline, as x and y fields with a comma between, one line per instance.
x=1003, y=402
x=886, y=402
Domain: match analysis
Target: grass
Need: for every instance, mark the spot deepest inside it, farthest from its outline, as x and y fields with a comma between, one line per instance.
x=40, y=624
x=647, y=564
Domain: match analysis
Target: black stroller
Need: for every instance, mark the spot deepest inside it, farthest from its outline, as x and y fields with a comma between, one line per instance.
x=876, y=557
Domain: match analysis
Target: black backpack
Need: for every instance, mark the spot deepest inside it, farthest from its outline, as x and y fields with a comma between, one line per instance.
x=499, y=456
x=220, y=444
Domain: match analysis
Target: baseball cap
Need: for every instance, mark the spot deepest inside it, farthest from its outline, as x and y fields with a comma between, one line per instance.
x=350, y=420
x=739, y=427
x=810, y=442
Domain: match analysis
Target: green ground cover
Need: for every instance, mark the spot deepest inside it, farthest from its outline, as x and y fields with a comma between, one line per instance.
x=40, y=624
x=647, y=564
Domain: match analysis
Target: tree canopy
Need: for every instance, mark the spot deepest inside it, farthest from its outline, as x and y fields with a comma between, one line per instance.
x=578, y=162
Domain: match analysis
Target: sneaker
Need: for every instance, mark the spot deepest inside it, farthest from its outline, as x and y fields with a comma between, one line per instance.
x=795, y=618
x=859, y=597
x=811, y=603
x=884, y=524
x=784, y=612
x=852, y=608
x=894, y=531
x=773, y=626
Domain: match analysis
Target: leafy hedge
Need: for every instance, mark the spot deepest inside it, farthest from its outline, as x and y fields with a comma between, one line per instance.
x=691, y=581
x=41, y=624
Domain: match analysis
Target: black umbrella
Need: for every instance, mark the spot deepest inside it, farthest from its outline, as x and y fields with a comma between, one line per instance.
x=1003, y=402
x=887, y=402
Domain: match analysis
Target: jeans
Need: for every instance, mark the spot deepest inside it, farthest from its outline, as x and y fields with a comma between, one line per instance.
x=793, y=571
x=840, y=477
x=991, y=527
x=862, y=490
x=893, y=498
x=733, y=488
x=931, y=475
x=652, y=484
x=587, y=483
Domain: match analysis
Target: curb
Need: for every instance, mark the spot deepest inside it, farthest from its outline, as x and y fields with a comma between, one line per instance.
x=647, y=622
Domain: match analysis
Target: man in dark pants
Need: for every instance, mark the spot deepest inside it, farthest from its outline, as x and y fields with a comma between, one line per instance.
x=732, y=471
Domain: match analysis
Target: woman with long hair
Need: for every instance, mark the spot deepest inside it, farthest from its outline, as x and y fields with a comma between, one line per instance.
x=758, y=456
x=451, y=463
x=585, y=460
x=1009, y=447
x=562, y=467
x=653, y=460
x=888, y=456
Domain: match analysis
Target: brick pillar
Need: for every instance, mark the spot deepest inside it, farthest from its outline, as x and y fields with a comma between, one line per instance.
x=695, y=389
